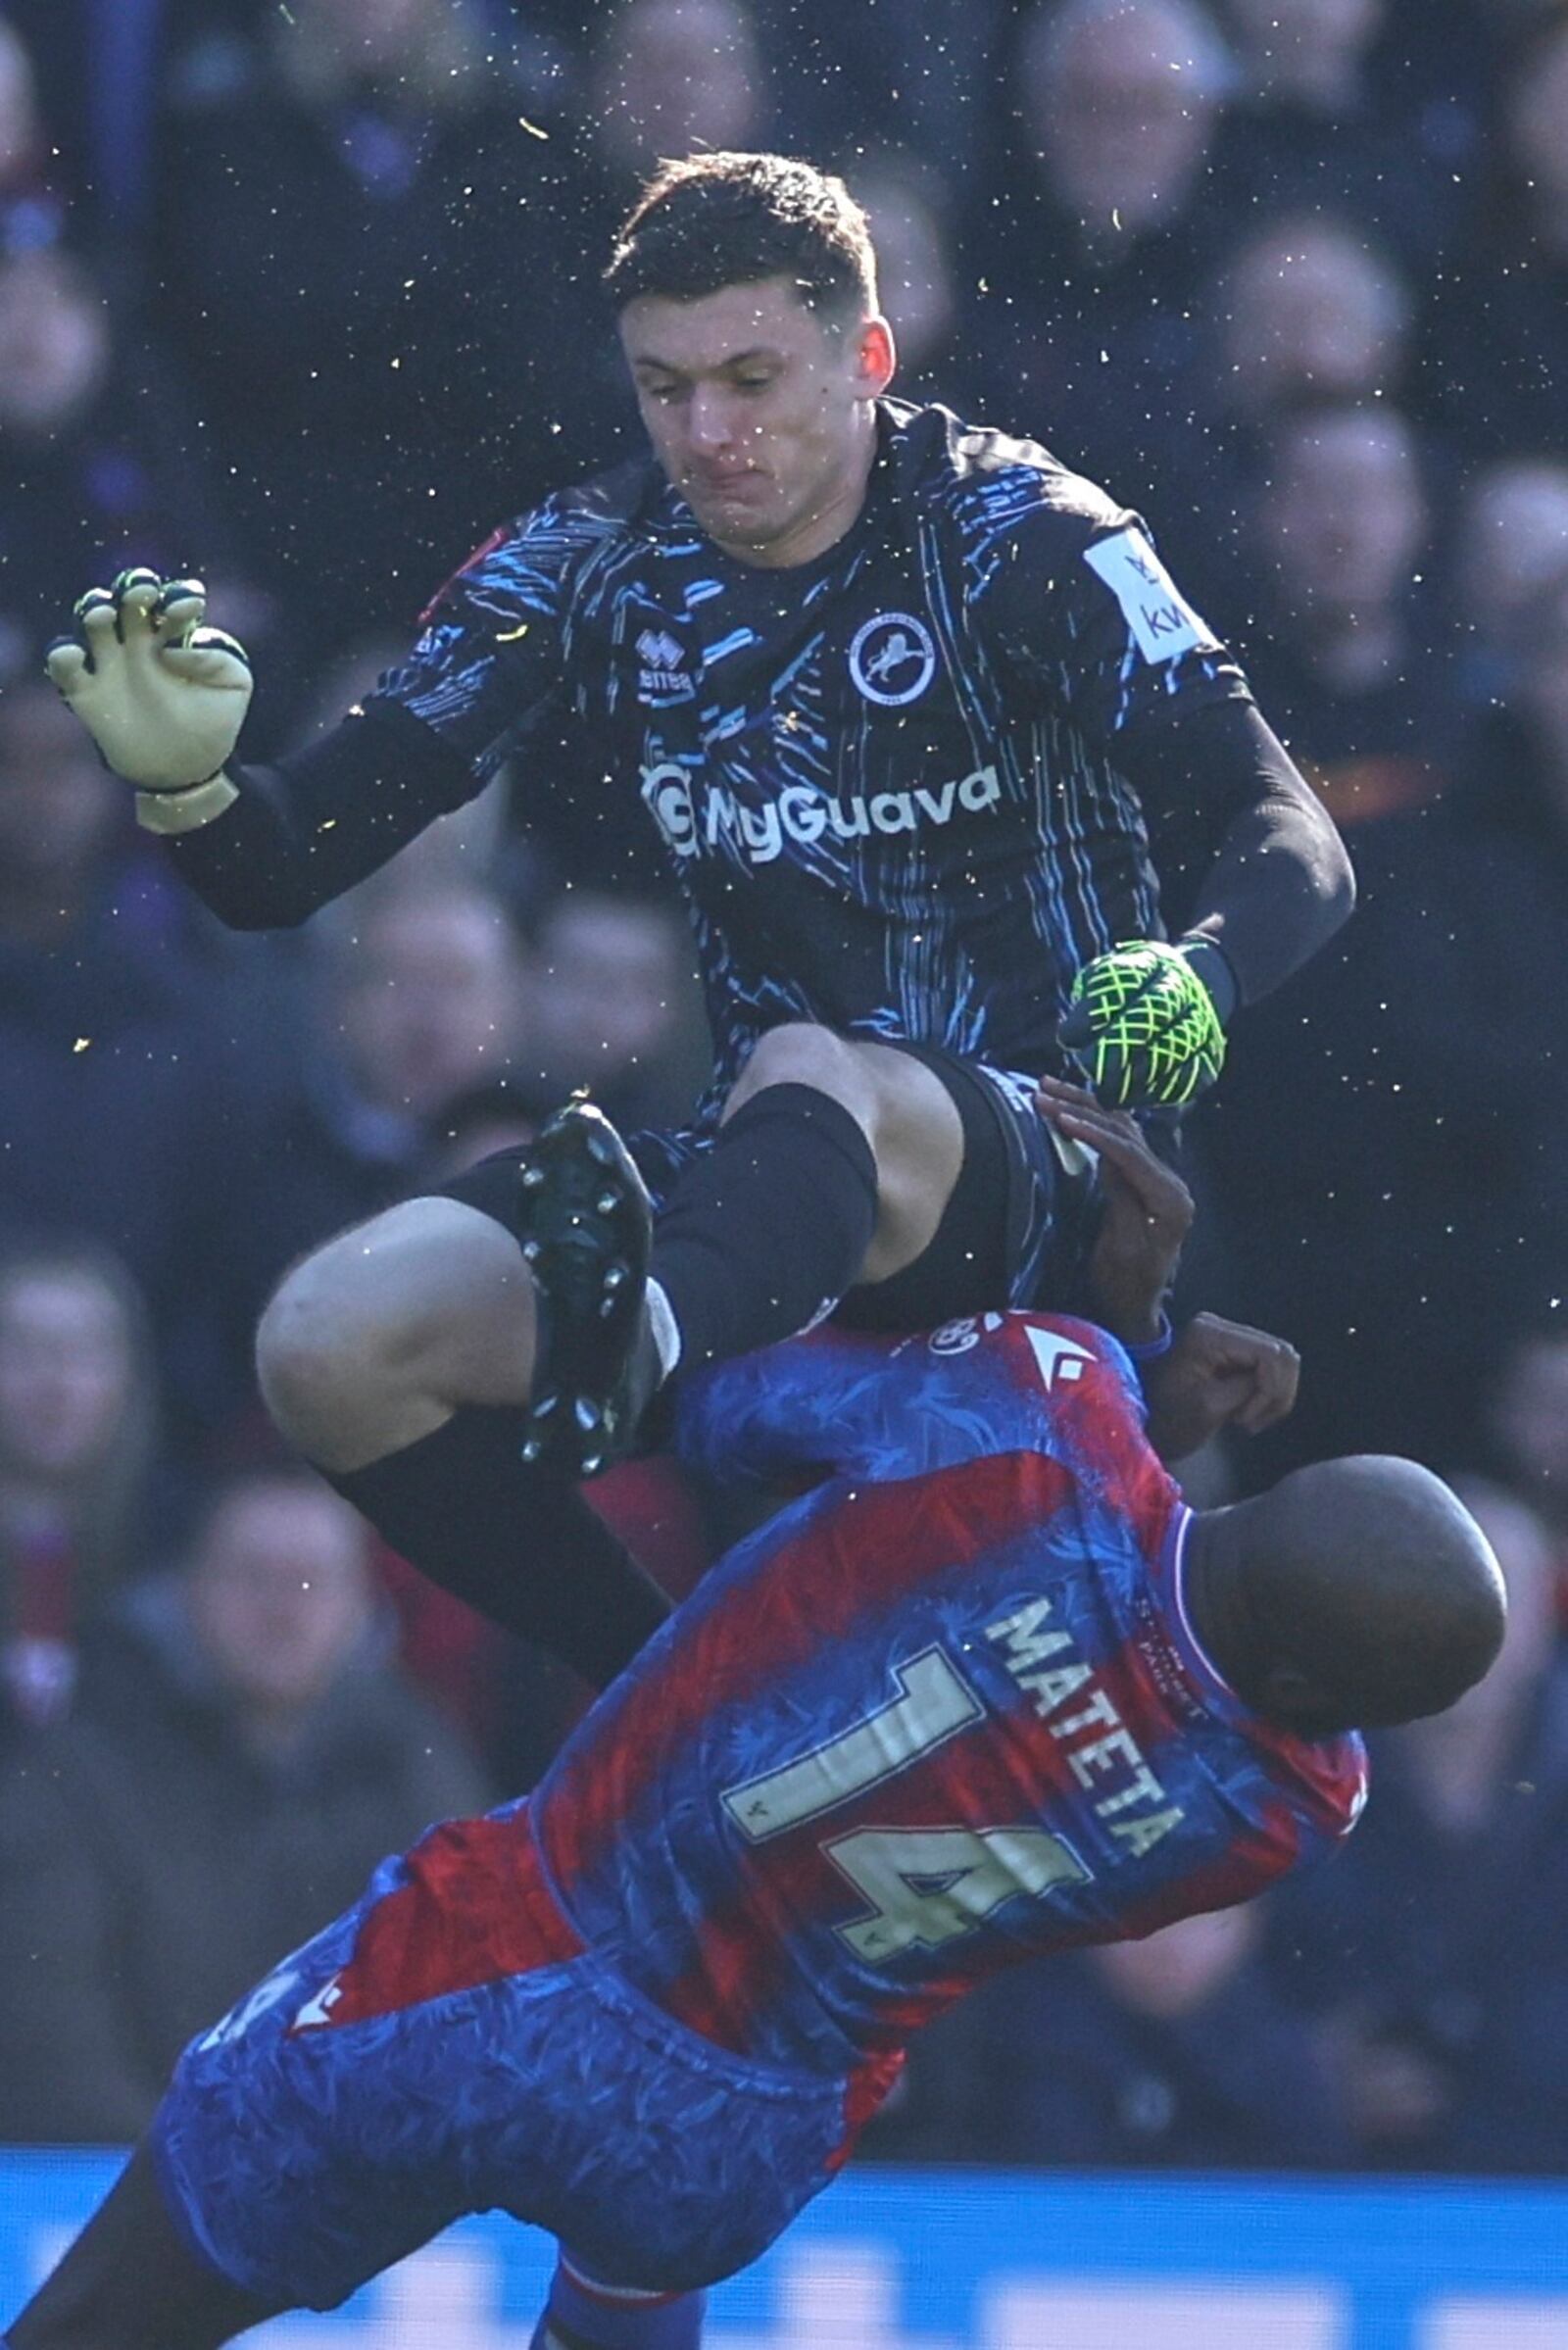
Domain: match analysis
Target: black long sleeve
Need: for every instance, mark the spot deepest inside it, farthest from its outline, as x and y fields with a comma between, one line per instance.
x=307, y=829
x=1244, y=851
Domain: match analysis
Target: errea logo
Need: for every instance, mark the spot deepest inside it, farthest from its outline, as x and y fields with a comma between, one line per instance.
x=663, y=679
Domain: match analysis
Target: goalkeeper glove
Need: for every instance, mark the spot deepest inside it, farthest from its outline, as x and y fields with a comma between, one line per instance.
x=1142, y=1026
x=163, y=697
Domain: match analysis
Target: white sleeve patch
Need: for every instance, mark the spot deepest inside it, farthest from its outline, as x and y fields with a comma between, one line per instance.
x=1163, y=623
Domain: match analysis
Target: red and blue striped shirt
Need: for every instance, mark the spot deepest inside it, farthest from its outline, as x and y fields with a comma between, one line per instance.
x=943, y=1712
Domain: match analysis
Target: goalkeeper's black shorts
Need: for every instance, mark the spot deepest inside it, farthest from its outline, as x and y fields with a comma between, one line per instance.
x=1016, y=1232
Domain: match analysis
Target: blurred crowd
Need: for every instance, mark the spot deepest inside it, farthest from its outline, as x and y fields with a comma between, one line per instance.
x=303, y=298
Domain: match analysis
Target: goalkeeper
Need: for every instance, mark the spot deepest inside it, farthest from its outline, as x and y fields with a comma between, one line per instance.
x=916, y=712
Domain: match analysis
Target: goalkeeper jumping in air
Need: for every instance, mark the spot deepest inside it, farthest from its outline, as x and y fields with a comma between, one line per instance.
x=908, y=702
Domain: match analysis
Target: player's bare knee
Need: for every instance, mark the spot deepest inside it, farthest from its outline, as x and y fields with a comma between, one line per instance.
x=378, y=1338
x=919, y=1144
x=312, y=1352
x=803, y=1053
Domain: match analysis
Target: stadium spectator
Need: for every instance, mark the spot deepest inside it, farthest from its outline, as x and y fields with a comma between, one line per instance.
x=1409, y=1201
x=1526, y=1426
x=427, y=998
x=613, y=1006
x=1330, y=112
x=1344, y=646
x=31, y=212
x=1511, y=559
x=416, y=1003
x=1309, y=53
x=130, y=1044
x=1496, y=337
x=1312, y=312
x=103, y=461
x=1122, y=98
x=1433, y=1951
x=838, y=75
x=1174, y=2052
x=1302, y=313
x=78, y=1410
x=240, y=1754
x=112, y=75
x=671, y=76
x=846, y=78
x=369, y=225
x=1095, y=230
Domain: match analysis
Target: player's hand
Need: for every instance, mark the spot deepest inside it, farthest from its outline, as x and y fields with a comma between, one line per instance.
x=1143, y=1028
x=1218, y=1375
x=1147, y=1211
x=162, y=696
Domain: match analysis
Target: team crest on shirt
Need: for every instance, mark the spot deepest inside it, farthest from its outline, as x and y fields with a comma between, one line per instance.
x=892, y=659
x=662, y=677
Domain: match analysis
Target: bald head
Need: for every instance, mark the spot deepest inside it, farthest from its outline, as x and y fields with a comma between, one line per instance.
x=1357, y=1593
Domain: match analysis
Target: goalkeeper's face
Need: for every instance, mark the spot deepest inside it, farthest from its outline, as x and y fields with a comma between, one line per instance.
x=759, y=412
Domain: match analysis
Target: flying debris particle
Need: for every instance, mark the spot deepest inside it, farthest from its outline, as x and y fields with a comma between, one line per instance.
x=81, y=1044
x=532, y=128
x=286, y=13
x=509, y=636
x=1116, y=216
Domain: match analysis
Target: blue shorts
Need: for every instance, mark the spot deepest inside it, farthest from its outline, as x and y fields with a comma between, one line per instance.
x=451, y=2046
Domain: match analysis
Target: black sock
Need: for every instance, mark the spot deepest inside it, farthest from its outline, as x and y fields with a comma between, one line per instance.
x=523, y=1548
x=769, y=1227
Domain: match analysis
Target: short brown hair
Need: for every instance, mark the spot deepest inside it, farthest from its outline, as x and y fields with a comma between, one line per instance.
x=713, y=220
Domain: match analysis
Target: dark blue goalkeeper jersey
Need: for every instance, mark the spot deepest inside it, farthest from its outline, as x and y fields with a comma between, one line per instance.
x=890, y=781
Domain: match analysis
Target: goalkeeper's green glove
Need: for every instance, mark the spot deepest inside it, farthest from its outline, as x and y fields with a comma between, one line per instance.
x=1142, y=1026
x=163, y=697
